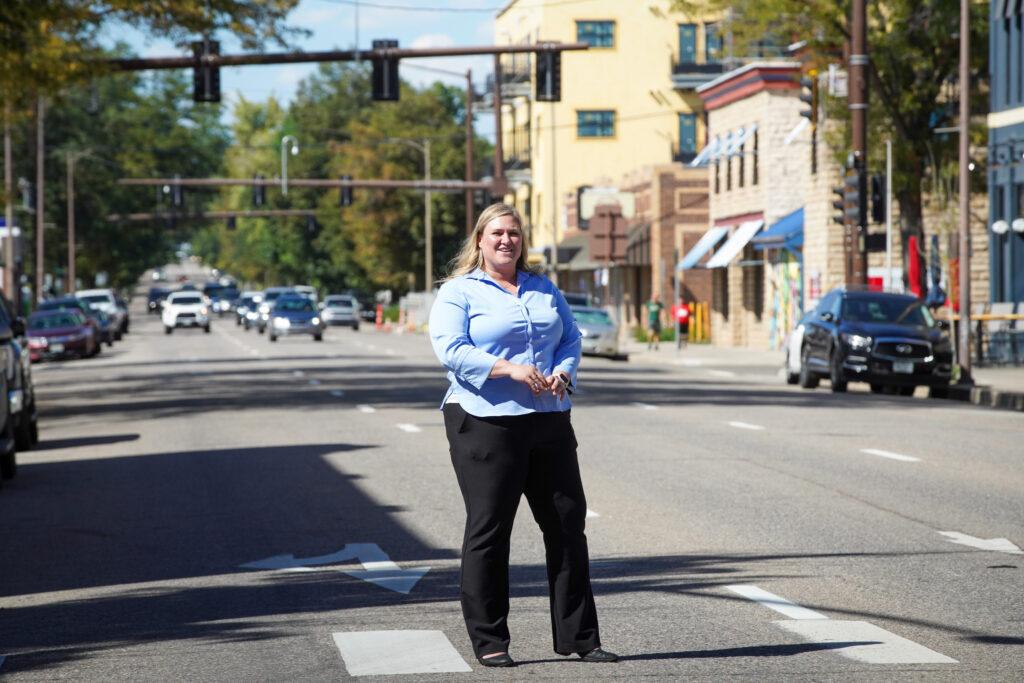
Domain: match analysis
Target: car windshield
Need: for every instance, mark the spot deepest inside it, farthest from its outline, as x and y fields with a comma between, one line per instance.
x=53, y=321
x=892, y=311
x=153, y=293
x=247, y=301
x=592, y=317
x=341, y=301
x=294, y=305
x=96, y=298
x=58, y=304
x=187, y=300
x=272, y=295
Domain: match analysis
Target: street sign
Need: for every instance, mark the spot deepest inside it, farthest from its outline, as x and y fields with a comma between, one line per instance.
x=377, y=568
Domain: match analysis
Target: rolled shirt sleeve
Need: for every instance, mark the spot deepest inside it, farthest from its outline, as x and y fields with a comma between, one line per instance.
x=449, y=336
x=567, y=355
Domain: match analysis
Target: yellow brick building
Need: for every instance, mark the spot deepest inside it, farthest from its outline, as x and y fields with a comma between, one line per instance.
x=628, y=102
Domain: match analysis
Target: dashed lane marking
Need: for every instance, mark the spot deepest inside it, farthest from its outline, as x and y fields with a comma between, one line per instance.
x=591, y=514
x=337, y=393
x=406, y=427
x=645, y=406
x=775, y=602
x=298, y=373
x=366, y=409
x=746, y=425
x=391, y=352
x=374, y=653
x=721, y=373
x=858, y=640
x=688, y=362
x=890, y=455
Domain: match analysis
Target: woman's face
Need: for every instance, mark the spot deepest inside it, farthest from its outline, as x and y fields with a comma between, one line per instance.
x=501, y=243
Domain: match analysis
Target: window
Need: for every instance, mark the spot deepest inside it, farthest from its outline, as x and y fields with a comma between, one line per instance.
x=740, y=177
x=596, y=33
x=687, y=43
x=712, y=44
x=753, y=161
x=728, y=172
x=595, y=124
x=687, y=136
x=717, y=183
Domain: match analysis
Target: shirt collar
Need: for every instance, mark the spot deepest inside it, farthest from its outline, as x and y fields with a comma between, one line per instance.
x=481, y=274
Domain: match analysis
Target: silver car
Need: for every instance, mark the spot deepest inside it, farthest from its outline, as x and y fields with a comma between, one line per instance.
x=600, y=332
x=341, y=309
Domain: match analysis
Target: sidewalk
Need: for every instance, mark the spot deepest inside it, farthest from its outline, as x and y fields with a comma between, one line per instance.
x=995, y=387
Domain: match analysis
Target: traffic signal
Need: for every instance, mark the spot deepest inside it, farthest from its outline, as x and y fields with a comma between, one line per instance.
x=311, y=226
x=839, y=205
x=205, y=78
x=259, y=192
x=345, y=195
x=385, y=72
x=809, y=96
x=878, y=198
x=549, y=76
x=231, y=223
x=177, y=194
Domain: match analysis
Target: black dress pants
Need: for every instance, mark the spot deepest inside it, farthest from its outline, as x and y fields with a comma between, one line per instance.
x=497, y=460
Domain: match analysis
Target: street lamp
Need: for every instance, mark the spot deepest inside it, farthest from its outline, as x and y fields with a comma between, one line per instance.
x=424, y=149
x=284, y=159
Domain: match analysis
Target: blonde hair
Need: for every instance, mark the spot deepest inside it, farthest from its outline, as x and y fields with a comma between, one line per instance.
x=470, y=257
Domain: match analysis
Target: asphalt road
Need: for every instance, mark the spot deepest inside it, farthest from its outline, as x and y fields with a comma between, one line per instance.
x=218, y=507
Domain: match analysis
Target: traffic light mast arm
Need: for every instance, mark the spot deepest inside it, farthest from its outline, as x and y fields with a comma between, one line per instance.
x=215, y=60
x=435, y=185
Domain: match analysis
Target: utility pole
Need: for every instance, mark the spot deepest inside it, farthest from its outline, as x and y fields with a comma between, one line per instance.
x=469, y=150
x=858, y=105
x=70, y=286
x=554, y=203
x=40, y=179
x=294, y=149
x=429, y=230
x=9, y=282
x=964, y=345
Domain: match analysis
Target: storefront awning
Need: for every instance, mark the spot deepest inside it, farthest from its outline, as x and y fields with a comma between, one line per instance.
x=707, y=241
x=732, y=248
x=709, y=152
x=786, y=233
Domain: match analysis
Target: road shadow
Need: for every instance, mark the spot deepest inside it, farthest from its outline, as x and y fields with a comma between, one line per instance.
x=77, y=442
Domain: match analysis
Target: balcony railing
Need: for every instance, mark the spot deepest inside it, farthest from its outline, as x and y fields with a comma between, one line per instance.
x=683, y=156
x=690, y=75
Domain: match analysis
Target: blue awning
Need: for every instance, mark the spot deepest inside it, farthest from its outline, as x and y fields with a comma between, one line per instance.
x=786, y=233
x=703, y=246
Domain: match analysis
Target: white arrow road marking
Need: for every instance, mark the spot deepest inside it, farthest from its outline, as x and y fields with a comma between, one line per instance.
x=366, y=409
x=370, y=653
x=645, y=406
x=406, y=427
x=998, y=545
x=865, y=642
x=377, y=566
x=858, y=640
x=772, y=601
x=890, y=455
x=689, y=362
x=337, y=393
x=591, y=513
x=746, y=425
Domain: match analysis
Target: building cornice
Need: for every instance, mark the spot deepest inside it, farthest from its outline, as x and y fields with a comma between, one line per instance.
x=1008, y=117
x=747, y=80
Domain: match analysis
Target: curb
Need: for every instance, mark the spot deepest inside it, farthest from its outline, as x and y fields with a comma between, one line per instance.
x=987, y=397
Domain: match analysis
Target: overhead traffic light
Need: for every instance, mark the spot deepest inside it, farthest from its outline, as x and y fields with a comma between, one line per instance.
x=851, y=202
x=878, y=198
x=311, y=226
x=205, y=78
x=345, y=194
x=259, y=192
x=385, y=72
x=231, y=223
x=549, y=76
x=839, y=205
x=177, y=194
x=809, y=96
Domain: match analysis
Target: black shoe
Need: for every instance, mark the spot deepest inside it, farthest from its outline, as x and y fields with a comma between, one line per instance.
x=599, y=656
x=497, y=660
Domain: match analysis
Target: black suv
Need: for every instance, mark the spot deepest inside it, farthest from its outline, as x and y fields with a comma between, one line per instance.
x=18, y=427
x=887, y=340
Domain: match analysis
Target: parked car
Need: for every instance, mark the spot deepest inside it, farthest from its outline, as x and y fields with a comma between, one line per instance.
x=104, y=300
x=97, y=317
x=186, y=309
x=247, y=301
x=270, y=295
x=578, y=299
x=340, y=309
x=122, y=305
x=600, y=332
x=220, y=297
x=20, y=429
x=794, y=343
x=886, y=340
x=155, y=301
x=295, y=314
x=61, y=334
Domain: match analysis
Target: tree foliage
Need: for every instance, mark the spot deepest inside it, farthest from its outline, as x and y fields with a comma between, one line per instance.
x=913, y=46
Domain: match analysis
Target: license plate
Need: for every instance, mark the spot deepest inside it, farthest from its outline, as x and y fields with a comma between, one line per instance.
x=904, y=367
x=57, y=348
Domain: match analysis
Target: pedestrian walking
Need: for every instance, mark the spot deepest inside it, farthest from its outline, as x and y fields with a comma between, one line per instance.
x=511, y=347
x=654, y=308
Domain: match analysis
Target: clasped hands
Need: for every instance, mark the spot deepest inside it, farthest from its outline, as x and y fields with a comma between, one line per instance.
x=532, y=377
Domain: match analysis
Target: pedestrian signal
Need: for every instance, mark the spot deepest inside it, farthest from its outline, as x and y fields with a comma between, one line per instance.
x=205, y=78
x=549, y=76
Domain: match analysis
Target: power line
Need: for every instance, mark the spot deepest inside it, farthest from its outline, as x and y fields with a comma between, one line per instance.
x=451, y=10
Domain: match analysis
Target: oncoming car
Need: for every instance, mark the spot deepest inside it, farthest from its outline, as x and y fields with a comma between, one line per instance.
x=600, y=333
x=294, y=314
x=186, y=309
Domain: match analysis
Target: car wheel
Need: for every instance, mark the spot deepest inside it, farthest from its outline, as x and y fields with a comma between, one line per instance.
x=318, y=337
x=110, y=341
x=877, y=388
x=907, y=391
x=9, y=461
x=206, y=329
x=260, y=330
x=938, y=392
x=807, y=379
x=23, y=432
x=237, y=322
x=272, y=337
x=835, y=374
x=98, y=350
x=791, y=377
x=168, y=329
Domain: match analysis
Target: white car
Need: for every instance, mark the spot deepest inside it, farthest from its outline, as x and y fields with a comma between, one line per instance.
x=794, y=350
x=105, y=300
x=340, y=309
x=186, y=309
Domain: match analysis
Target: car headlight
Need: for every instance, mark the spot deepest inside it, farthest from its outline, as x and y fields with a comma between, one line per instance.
x=204, y=310
x=282, y=322
x=315, y=321
x=38, y=341
x=856, y=341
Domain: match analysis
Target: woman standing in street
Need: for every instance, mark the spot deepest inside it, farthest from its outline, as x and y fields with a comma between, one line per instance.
x=511, y=347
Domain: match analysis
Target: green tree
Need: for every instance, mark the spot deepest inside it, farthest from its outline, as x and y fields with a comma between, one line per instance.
x=913, y=46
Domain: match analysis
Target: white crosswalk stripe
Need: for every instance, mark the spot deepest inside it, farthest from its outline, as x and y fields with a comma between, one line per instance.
x=376, y=653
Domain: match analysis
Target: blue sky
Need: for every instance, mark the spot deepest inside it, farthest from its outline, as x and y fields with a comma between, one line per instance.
x=415, y=23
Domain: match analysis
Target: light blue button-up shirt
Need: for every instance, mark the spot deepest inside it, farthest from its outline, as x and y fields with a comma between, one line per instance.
x=475, y=322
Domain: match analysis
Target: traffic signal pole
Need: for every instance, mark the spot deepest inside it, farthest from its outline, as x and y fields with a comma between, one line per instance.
x=858, y=105
x=964, y=338
x=9, y=282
